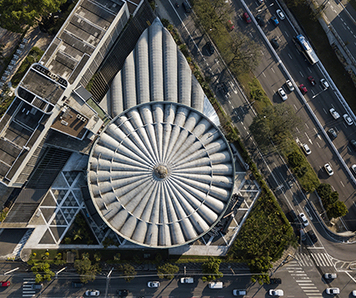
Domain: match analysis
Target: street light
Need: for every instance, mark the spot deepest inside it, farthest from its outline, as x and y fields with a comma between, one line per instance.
x=319, y=93
x=107, y=282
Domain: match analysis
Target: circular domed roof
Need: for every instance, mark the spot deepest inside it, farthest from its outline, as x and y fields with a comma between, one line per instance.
x=161, y=174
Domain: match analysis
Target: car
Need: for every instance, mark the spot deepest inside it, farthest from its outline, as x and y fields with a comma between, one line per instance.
x=353, y=144
x=236, y=292
x=187, y=280
x=293, y=216
x=353, y=167
x=354, y=293
x=282, y=94
x=290, y=85
x=5, y=283
x=280, y=14
x=187, y=7
x=274, y=43
x=276, y=292
x=275, y=20
x=153, y=284
x=348, y=119
x=335, y=114
x=92, y=293
x=224, y=88
x=328, y=169
x=215, y=285
x=302, y=235
x=332, y=133
x=312, y=236
x=275, y=281
x=260, y=21
x=332, y=291
x=304, y=219
x=306, y=149
x=311, y=80
x=77, y=284
x=303, y=89
x=210, y=48
x=122, y=293
x=324, y=83
x=330, y=275
x=246, y=17
x=230, y=25
x=37, y=286
x=260, y=2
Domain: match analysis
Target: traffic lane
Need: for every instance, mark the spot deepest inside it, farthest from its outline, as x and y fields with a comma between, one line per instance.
x=9, y=238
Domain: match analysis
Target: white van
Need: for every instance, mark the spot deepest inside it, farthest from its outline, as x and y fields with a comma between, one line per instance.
x=216, y=285
x=187, y=280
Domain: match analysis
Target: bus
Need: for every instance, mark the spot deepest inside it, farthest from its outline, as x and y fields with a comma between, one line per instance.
x=304, y=47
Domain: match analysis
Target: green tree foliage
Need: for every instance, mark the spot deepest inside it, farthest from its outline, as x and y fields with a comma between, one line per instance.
x=324, y=190
x=16, y=15
x=295, y=159
x=337, y=209
x=86, y=269
x=167, y=271
x=211, y=269
x=128, y=272
x=42, y=271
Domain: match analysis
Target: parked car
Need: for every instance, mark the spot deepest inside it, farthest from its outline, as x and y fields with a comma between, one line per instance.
x=187, y=280
x=260, y=1
x=354, y=293
x=122, y=293
x=303, y=89
x=324, y=83
x=153, y=284
x=280, y=14
x=348, y=119
x=77, y=284
x=332, y=291
x=260, y=21
x=332, y=133
x=187, y=7
x=306, y=149
x=274, y=20
x=282, y=94
x=311, y=80
x=353, y=144
x=304, y=219
x=312, y=236
x=330, y=275
x=290, y=85
x=236, y=292
x=230, y=25
x=276, y=292
x=353, y=168
x=92, y=293
x=246, y=17
x=5, y=283
x=275, y=281
x=274, y=43
x=210, y=48
x=335, y=114
x=328, y=169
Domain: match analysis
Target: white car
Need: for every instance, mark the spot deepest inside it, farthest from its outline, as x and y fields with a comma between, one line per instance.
x=153, y=284
x=236, y=292
x=353, y=167
x=187, y=280
x=290, y=85
x=306, y=149
x=92, y=293
x=354, y=293
x=280, y=14
x=328, y=169
x=277, y=292
x=324, y=83
x=282, y=94
x=332, y=291
x=304, y=219
x=335, y=114
x=348, y=119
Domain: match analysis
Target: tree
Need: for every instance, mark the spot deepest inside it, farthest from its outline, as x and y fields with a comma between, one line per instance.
x=337, y=209
x=167, y=271
x=85, y=269
x=128, y=272
x=16, y=15
x=42, y=271
x=295, y=159
x=211, y=269
x=324, y=190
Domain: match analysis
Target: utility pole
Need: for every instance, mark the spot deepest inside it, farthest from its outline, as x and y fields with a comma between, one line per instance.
x=107, y=282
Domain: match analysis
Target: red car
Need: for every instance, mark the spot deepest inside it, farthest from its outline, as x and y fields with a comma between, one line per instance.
x=311, y=80
x=303, y=89
x=230, y=25
x=5, y=283
x=246, y=17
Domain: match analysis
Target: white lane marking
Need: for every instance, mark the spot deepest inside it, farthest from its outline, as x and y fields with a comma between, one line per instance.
x=290, y=56
x=263, y=74
x=342, y=184
x=301, y=74
x=272, y=70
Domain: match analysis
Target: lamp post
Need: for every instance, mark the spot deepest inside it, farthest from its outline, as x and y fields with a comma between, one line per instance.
x=107, y=282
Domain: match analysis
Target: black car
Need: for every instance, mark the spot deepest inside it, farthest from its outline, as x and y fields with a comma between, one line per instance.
x=260, y=21
x=187, y=7
x=77, y=284
x=274, y=43
x=122, y=293
x=353, y=144
x=223, y=88
x=210, y=48
x=312, y=236
x=275, y=281
x=332, y=133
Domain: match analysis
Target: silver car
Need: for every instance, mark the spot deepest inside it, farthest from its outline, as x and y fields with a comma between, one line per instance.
x=282, y=94
x=280, y=14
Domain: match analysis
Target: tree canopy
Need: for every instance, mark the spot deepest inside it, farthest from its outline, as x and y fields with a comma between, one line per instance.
x=211, y=269
x=337, y=209
x=167, y=271
x=15, y=15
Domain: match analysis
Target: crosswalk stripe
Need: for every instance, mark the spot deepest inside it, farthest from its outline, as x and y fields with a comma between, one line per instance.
x=309, y=288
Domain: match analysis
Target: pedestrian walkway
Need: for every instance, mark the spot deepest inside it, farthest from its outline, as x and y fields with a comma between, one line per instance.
x=304, y=282
x=27, y=287
x=317, y=259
